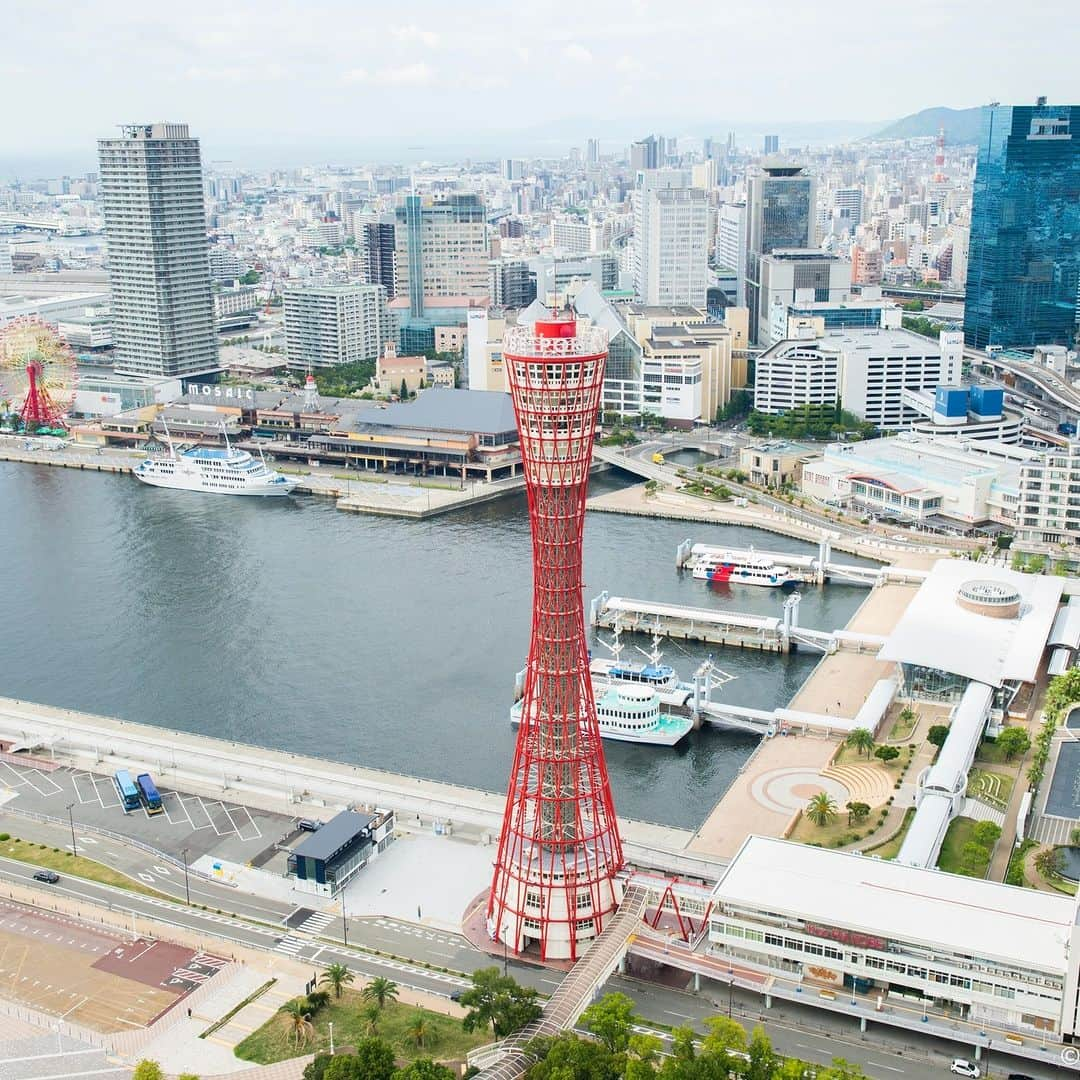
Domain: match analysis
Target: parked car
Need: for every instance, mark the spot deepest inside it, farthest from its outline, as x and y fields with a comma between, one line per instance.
x=50, y=877
x=307, y=825
x=963, y=1067
x=1020, y=1076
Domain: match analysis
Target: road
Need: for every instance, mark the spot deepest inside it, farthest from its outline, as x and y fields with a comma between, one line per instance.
x=795, y=1031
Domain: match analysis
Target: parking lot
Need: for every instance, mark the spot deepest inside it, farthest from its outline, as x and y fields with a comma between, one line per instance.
x=195, y=823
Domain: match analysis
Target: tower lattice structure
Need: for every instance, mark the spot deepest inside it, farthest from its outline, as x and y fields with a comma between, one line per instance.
x=559, y=852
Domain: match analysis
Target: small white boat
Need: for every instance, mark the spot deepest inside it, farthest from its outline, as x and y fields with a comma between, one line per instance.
x=741, y=569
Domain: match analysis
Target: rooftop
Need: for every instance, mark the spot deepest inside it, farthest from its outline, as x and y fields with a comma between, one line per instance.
x=935, y=632
x=892, y=901
x=441, y=409
x=334, y=835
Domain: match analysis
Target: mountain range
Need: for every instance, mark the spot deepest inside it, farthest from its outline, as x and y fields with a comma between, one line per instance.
x=961, y=125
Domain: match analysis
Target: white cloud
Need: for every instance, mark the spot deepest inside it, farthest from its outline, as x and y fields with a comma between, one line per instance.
x=413, y=33
x=405, y=75
x=577, y=52
x=235, y=73
x=628, y=65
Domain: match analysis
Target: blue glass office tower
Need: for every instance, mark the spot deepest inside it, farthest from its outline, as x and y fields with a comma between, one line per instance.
x=1024, y=257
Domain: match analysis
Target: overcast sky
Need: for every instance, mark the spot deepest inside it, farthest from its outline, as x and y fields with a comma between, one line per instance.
x=249, y=73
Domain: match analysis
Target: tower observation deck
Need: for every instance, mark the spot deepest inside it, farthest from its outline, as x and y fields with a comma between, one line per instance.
x=554, y=884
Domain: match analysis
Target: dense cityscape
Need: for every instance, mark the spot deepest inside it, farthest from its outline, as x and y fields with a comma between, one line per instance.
x=651, y=643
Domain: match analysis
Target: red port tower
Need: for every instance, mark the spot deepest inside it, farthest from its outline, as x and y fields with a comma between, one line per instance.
x=555, y=884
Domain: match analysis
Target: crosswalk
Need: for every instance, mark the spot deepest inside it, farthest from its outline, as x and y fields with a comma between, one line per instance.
x=313, y=925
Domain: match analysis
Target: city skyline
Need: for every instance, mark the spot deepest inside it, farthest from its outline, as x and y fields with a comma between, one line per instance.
x=379, y=78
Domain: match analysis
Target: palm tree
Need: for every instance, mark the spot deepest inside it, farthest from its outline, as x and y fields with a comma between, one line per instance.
x=821, y=809
x=862, y=740
x=336, y=976
x=371, y=1020
x=418, y=1030
x=298, y=1019
x=380, y=991
x=1050, y=862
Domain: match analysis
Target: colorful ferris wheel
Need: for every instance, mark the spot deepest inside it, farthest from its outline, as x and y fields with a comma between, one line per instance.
x=38, y=377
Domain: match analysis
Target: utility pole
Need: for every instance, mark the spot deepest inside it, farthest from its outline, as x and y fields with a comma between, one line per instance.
x=187, y=889
x=71, y=822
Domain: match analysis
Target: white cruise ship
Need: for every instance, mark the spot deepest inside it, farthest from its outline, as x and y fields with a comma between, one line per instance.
x=219, y=472
x=628, y=713
x=660, y=677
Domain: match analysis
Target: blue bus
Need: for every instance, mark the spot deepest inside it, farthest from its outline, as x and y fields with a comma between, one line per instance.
x=150, y=797
x=126, y=789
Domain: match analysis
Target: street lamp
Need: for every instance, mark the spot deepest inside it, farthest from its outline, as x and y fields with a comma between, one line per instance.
x=187, y=888
x=331, y=1026
x=505, y=931
x=730, y=990
x=71, y=822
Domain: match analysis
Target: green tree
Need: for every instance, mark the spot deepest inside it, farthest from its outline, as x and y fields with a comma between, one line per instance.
x=763, y=1060
x=370, y=1016
x=937, y=734
x=419, y=1030
x=297, y=1019
x=1013, y=741
x=1074, y=836
x=568, y=1057
x=499, y=1001
x=886, y=754
x=642, y=1056
x=610, y=1020
x=425, y=1069
x=315, y=1068
x=1050, y=862
x=861, y=740
x=379, y=991
x=973, y=859
x=336, y=976
x=821, y=809
x=857, y=811
x=724, y=1035
x=374, y=1060
x=841, y=1070
x=986, y=833
x=403, y=393
x=147, y=1070
x=187, y=1076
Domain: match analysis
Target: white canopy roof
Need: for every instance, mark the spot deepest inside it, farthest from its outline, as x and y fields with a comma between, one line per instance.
x=935, y=632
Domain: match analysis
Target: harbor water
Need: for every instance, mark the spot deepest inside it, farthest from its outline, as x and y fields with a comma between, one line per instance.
x=384, y=642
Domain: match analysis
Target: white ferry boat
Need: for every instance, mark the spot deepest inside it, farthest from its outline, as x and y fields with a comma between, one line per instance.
x=741, y=569
x=663, y=678
x=628, y=713
x=219, y=472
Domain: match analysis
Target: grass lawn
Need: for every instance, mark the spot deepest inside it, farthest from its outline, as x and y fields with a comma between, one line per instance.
x=806, y=832
x=63, y=862
x=891, y=848
x=998, y=785
x=992, y=754
x=957, y=835
x=446, y=1041
x=902, y=729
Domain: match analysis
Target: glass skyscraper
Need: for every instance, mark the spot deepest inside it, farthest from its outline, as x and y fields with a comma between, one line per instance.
x=1024, y=256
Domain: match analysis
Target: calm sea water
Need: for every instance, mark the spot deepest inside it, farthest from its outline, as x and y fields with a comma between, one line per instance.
x=385, y=642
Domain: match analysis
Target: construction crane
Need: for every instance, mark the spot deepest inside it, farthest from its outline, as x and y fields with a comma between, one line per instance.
x=270, y=296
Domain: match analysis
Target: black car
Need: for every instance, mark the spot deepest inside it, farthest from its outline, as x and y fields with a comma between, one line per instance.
x=1020, y=1076
x=50, y=877
x=307, y=825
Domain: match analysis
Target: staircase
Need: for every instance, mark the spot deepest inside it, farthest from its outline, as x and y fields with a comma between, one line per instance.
x=866, y=783
x=510, y=1058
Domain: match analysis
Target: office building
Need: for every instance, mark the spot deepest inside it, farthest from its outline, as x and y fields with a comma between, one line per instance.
x=770, y=144
x=225, y=265
x=780, y=213
x=811, y=274
x=866, y=370
x=866, y=265
x=151, y=189
x=334, y=324
x=646, y=154
x=731, y=248
x=6, y=265
x=558, y=280
x=441, y=248
x=1049, y=507
x=988, y=953
x=671, y=239
x=376, y=247
x=592, y=152
x=511, y=283
x=1023, y=271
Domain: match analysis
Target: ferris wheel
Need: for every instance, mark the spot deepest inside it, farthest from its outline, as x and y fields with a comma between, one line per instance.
x=38, y=376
